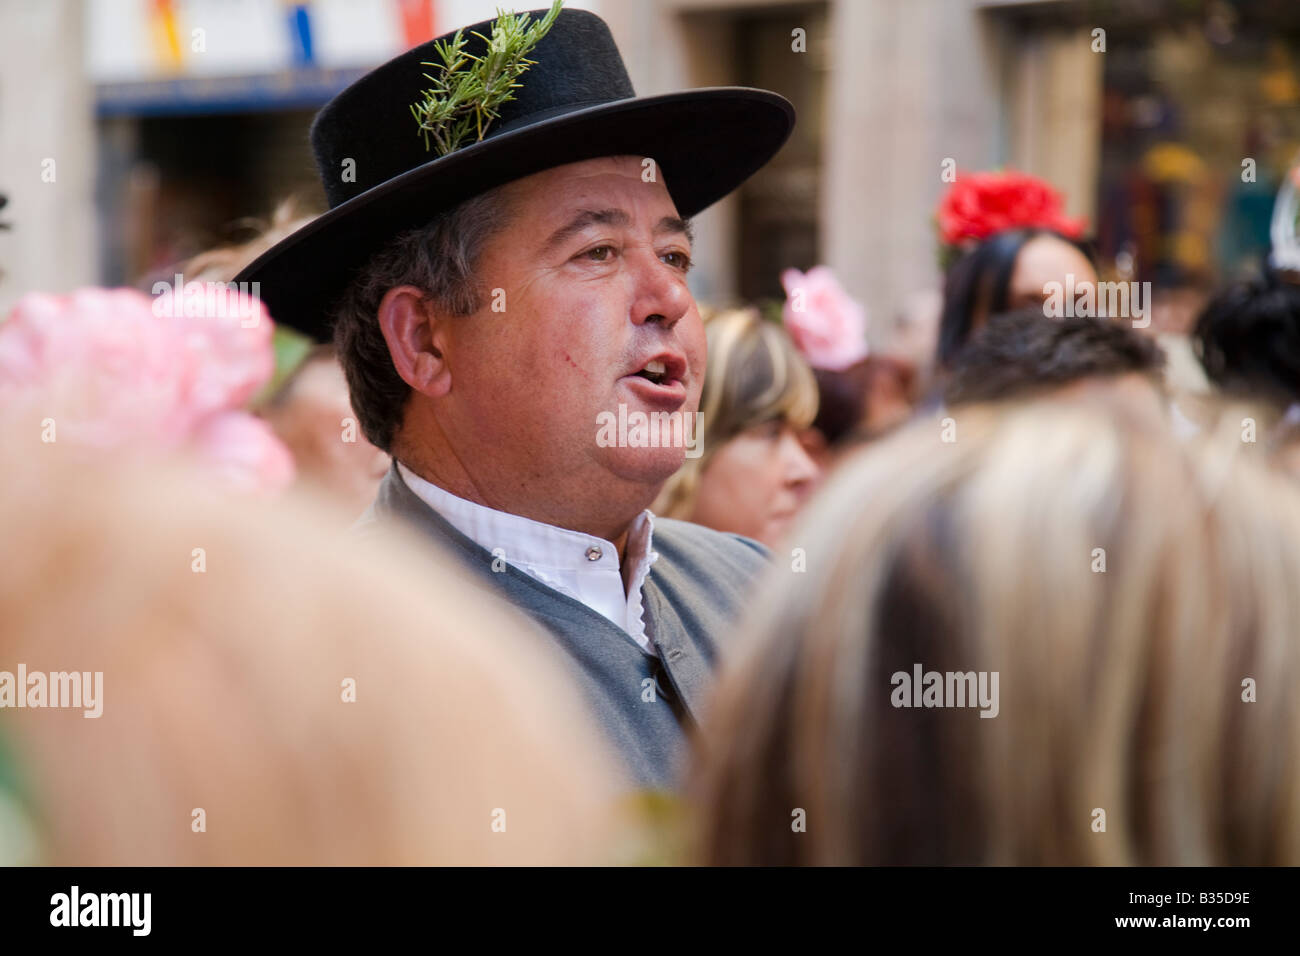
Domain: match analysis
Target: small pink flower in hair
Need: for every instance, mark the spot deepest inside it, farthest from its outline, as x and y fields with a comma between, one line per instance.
x=827, y=325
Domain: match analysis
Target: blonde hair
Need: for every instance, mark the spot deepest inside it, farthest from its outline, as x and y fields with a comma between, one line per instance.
x=754, y=375
x=319, y=703
x=1124, y=588
x=1255, y=427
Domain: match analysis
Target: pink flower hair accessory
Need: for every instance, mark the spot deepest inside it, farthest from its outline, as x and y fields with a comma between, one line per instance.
x=825, y=323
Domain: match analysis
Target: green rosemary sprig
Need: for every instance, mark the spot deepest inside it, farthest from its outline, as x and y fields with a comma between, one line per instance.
x=468, y=91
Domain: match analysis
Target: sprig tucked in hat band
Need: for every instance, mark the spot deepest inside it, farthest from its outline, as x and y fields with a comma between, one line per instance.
x=469, y=90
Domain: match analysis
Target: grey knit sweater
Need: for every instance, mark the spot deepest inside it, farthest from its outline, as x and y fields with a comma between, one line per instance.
x=691, y=598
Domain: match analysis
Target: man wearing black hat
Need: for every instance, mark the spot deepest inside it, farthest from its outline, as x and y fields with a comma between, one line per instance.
x=495, y=300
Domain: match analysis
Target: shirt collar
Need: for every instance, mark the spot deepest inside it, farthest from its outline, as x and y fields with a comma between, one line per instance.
x=537, y=544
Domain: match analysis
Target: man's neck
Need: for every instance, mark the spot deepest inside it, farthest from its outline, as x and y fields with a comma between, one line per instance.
x=619, y=540
x=612, y=527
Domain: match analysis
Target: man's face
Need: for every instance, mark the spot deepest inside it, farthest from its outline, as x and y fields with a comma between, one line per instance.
x=583, y=288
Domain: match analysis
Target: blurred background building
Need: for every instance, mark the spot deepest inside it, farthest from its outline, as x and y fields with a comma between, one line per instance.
x=136, y=132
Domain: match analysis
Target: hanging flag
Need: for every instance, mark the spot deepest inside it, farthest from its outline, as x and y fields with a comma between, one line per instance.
x=417, y=21
x=300, y=33
x=165, y=35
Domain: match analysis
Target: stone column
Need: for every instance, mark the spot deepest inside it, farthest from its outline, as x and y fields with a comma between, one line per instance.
x=915, y=83
x=47, y=150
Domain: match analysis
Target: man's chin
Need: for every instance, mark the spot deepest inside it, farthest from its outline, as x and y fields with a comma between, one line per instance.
x=648, y=466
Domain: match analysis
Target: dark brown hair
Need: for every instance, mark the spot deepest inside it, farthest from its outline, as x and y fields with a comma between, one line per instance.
x=1021, y=352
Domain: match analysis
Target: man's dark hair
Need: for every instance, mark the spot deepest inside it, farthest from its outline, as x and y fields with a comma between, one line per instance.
x=981, y=279
x=1021, y=352
x=439, y=258
x=1248, y=339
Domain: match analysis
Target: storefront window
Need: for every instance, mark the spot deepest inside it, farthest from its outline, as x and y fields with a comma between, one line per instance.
x=1201, y=121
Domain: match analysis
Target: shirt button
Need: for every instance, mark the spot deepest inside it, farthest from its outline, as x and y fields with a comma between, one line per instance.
x=593, y=553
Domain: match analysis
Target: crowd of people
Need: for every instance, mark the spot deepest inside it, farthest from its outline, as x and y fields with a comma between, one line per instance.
x=1021, y=599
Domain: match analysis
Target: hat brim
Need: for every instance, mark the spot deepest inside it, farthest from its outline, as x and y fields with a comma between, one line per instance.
x=705, y=142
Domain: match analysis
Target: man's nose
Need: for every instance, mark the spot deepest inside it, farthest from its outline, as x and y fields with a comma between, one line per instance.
x=661, y=294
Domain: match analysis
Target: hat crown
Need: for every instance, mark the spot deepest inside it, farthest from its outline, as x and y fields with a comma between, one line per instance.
x=577, y=65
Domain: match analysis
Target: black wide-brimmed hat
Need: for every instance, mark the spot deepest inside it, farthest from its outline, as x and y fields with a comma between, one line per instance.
x=574, y=103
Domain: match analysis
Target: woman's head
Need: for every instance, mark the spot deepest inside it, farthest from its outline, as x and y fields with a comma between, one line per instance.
x=759, y=397
x=1007, y=271
x=1126, y=591
x=312, y=414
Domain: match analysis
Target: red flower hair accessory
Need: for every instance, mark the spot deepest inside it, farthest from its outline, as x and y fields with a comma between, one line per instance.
x=981, y=204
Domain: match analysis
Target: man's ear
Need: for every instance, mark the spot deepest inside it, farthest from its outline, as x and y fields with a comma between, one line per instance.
x=416, y=335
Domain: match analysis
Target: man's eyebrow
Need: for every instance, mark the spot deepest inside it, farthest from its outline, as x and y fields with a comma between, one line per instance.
x=674, y=224
x=585, y=218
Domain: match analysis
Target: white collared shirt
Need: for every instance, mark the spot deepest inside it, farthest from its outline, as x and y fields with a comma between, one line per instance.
x=584, y=567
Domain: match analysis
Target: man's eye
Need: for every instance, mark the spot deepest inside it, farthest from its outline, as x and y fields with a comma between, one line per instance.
x=599, y=254
x=678, y=260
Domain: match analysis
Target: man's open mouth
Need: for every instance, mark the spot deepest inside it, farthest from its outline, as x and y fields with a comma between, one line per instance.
x=655, y=371
x=664, y=375
x=662, y=369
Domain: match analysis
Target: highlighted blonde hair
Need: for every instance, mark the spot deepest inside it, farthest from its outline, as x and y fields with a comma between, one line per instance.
x=755, y=375
x=1125, y=587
